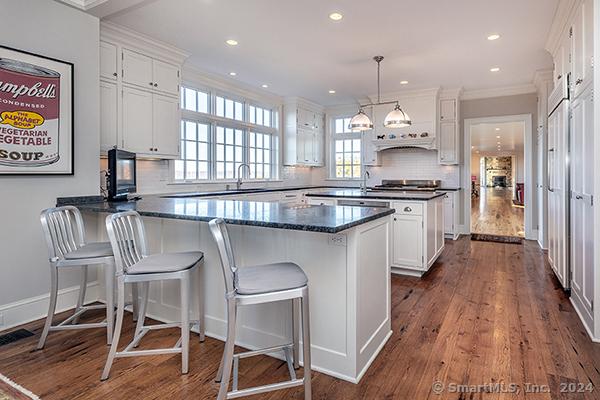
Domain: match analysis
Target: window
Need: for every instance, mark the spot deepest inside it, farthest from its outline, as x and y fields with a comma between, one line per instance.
x=346, y=150
x=213, y=148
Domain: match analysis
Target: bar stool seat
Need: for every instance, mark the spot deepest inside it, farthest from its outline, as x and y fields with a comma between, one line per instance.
x=166, y=262
x=91, y=250
x=269, y=278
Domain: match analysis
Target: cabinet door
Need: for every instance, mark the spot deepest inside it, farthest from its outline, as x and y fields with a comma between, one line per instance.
x=165, y=77
x=320, y=202
x=448, y=110
x=440, y=213
x=407, y=246
x=305, y=118
x=318, y=147
x=137, y=69
x=137, y=120
x=108, y=115
x=166, y=124
x=108, y=60
x=447, y=140
x=449, y=214
x=577, y=54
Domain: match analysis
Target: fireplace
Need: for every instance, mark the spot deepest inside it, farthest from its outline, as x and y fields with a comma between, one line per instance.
x=499, y=181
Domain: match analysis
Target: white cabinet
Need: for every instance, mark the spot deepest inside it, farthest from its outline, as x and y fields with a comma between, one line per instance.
x=108, y=115
x=582, y=50
x=139, y=89
x=581, y=204
x=304, y=134
x=151, y=73
x=108, y=61
x=417, y=235
x=451, y=208
x=370, y=155
x=316, y=201
x=148, y=123
x=448, y=135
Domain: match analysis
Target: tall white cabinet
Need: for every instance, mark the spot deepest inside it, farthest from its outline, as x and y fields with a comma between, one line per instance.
x=139, y=94
x=303, y=133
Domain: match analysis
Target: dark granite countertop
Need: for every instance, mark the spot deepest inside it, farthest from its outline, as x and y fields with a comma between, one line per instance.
x=387, y=195
x=327, y=219
x=242, y=191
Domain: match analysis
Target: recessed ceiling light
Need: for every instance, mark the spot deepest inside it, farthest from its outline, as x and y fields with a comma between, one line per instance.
x=477, y=151
x=497, y=129
x=232, y=73
x=495, y=36
x=231, y=42
x=332, y=91
x=264, y=85
x=335, y=16
x=497, y=137
x=472, y=147
x=404, y=82
x=495, y=69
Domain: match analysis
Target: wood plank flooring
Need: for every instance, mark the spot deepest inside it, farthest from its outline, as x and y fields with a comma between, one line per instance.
x=486, y=313
x=493, y=213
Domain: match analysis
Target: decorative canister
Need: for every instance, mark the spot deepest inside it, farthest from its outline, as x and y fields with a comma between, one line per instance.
x=29, y=114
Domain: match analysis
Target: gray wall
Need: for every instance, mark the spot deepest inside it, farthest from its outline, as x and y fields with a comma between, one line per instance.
x=498, y=107
x=52, y=29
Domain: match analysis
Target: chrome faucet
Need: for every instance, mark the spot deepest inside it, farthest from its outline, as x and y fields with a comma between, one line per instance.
x=363, y=184
x=239, y=175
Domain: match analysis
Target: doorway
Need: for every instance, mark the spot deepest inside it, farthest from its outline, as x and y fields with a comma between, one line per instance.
x=497, y=170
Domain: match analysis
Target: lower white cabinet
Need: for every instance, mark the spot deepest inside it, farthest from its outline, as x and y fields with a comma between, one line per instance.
x=407, y=246
x=451, y=208
x=150, y=123
x=315, y=201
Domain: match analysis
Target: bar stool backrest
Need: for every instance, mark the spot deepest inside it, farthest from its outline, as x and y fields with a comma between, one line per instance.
x=63, y=230
x=218, y=228
x=128, y=239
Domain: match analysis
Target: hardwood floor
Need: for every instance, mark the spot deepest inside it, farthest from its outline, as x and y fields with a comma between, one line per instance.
x=493, y=213
x=486, y=313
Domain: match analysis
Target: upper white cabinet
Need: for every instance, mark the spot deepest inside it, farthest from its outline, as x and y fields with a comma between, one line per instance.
x=144, y=71
x=139, y=88
x=304, y=133
x=582, y=51
x=448, y=132
x=108, y=61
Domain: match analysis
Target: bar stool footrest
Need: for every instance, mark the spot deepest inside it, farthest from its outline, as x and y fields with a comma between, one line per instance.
x=286, y=348
x=265, y=388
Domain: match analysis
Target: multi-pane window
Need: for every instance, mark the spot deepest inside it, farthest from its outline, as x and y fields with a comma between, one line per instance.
x=260, y=116
x=194, y=100
x=214, y=149
x=194, y=151
x=228, y=108
x=346, y=151
x=261, y=155
x=229, y=152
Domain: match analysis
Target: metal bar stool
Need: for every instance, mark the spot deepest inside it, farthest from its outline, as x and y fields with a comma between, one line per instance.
x=257, y=285
x=134, y=265
x=65, y=236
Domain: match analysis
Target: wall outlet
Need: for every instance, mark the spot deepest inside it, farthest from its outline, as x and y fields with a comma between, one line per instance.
x=337, y=240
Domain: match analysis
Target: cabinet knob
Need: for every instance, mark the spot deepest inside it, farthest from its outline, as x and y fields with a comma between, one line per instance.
x=156, y=85
x=558, y=77
x=578, y=197
x=151, y=84
x=395, y=219
x=407, y=209
x=151, y=149
x=579, y=81
x=115, y=74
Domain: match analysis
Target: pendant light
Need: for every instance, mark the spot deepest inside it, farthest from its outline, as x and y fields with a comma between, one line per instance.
x=395, y=118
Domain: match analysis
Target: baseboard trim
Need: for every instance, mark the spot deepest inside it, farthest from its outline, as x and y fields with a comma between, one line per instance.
x=31, y=309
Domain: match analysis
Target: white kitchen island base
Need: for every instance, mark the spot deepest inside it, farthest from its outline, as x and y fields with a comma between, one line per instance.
x=349, y=288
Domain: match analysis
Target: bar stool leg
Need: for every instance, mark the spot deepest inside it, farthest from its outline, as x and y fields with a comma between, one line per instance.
x=229, y=348
x=306, y=343
x=52, y=305
x=109, y=279
x=134, y=301
x=201, y=326
x=142, y=312
x=296, y=331
x=82, y=290
x=185, y=323
x=118, y=326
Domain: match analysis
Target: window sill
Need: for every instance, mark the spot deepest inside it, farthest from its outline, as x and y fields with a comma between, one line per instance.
x=344, y=179
x=222, y=182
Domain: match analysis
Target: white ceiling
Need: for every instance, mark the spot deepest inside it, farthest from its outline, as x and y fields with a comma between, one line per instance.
x=297, y=50
x=484, y=138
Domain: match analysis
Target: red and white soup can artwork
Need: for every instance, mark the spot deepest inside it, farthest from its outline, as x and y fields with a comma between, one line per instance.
x=29, y=114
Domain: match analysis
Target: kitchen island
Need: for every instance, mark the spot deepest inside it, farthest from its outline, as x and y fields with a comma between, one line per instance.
x=343, y=250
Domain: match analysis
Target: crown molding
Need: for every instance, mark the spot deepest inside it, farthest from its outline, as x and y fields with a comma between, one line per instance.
x=499, y=92
x=150, y=46
x=402, y=94
x=562, y=16
x=84, y=5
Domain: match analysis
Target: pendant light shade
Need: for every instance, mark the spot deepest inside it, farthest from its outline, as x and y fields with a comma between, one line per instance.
x=397, y=118
x=360, y=122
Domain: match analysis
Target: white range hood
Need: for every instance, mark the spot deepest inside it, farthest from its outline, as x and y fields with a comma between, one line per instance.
x=427, y=143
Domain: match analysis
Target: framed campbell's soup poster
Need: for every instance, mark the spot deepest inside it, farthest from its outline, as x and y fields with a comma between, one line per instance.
x=36, y=114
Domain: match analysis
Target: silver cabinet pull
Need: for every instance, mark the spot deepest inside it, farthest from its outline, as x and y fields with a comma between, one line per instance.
x=156, y=85
x=579, y=81
x=578, y=197
x=115, y=74
x=151, y=84
x=407, y=209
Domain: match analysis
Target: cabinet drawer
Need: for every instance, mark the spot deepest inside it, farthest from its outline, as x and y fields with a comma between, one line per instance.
x=407, y=208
